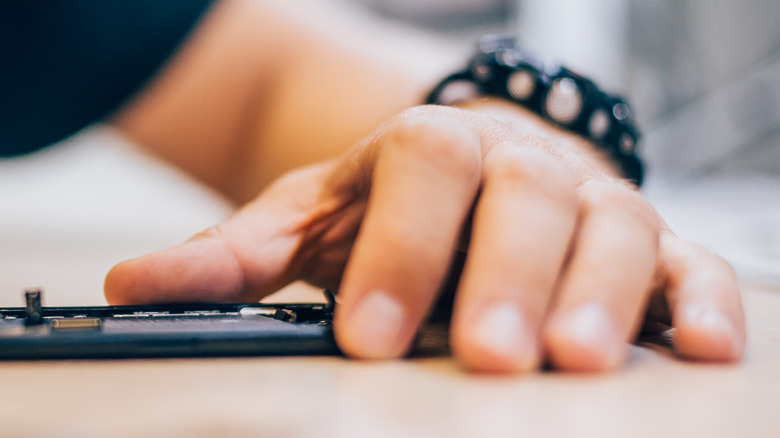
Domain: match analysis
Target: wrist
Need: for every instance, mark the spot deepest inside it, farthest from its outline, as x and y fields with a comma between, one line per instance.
x=500, y=68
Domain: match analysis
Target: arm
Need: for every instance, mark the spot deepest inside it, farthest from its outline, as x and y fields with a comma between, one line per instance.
x=264, y=87
x=565, y=260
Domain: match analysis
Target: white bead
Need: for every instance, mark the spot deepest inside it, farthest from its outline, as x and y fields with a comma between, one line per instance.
x=521, y=84
x=564, y=101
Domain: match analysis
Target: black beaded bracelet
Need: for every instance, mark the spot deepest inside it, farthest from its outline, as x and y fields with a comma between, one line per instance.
x=563, y=97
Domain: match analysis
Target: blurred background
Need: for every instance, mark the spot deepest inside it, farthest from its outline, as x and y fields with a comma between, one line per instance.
x=703, y=77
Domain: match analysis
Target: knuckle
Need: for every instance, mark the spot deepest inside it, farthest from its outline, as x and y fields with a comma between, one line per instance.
x=722, y=266
x=212, y=232
x=421, y=111
x=616, y=196
x=531, y=168
x=719, y=269
x=441, y=143
x=691, y=255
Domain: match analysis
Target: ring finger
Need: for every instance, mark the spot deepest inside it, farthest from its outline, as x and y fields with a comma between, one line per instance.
x=604, y=289
x=522, y=226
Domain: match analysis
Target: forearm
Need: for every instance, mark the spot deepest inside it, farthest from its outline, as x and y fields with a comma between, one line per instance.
x=264, y=87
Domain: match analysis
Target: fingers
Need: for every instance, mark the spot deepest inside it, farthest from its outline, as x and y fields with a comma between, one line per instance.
x=603, y=292
x=424, y=182
x=704, y=296
x=522, y=225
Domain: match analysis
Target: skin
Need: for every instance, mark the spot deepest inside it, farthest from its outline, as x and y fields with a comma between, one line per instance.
x=363, y=192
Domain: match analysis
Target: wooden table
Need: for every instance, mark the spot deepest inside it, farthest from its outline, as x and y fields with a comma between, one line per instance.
x=655, y=395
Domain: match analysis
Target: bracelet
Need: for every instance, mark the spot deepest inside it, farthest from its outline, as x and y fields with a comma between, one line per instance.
x=557, y=94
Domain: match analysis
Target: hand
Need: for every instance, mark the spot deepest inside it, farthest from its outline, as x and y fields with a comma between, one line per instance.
x=564, y=261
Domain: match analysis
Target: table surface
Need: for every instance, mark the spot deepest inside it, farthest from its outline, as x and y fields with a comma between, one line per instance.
x=80, y=213
x=654, y=395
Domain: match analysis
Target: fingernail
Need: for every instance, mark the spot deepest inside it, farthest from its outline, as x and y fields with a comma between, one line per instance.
x=501, y=330
x=591, y=327
x=376, y=323
x=714, y=321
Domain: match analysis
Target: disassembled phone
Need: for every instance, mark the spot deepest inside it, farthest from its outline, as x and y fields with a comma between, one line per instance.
x=177, y=330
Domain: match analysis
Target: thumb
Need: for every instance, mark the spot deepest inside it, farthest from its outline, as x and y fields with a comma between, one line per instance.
x=249, y=256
